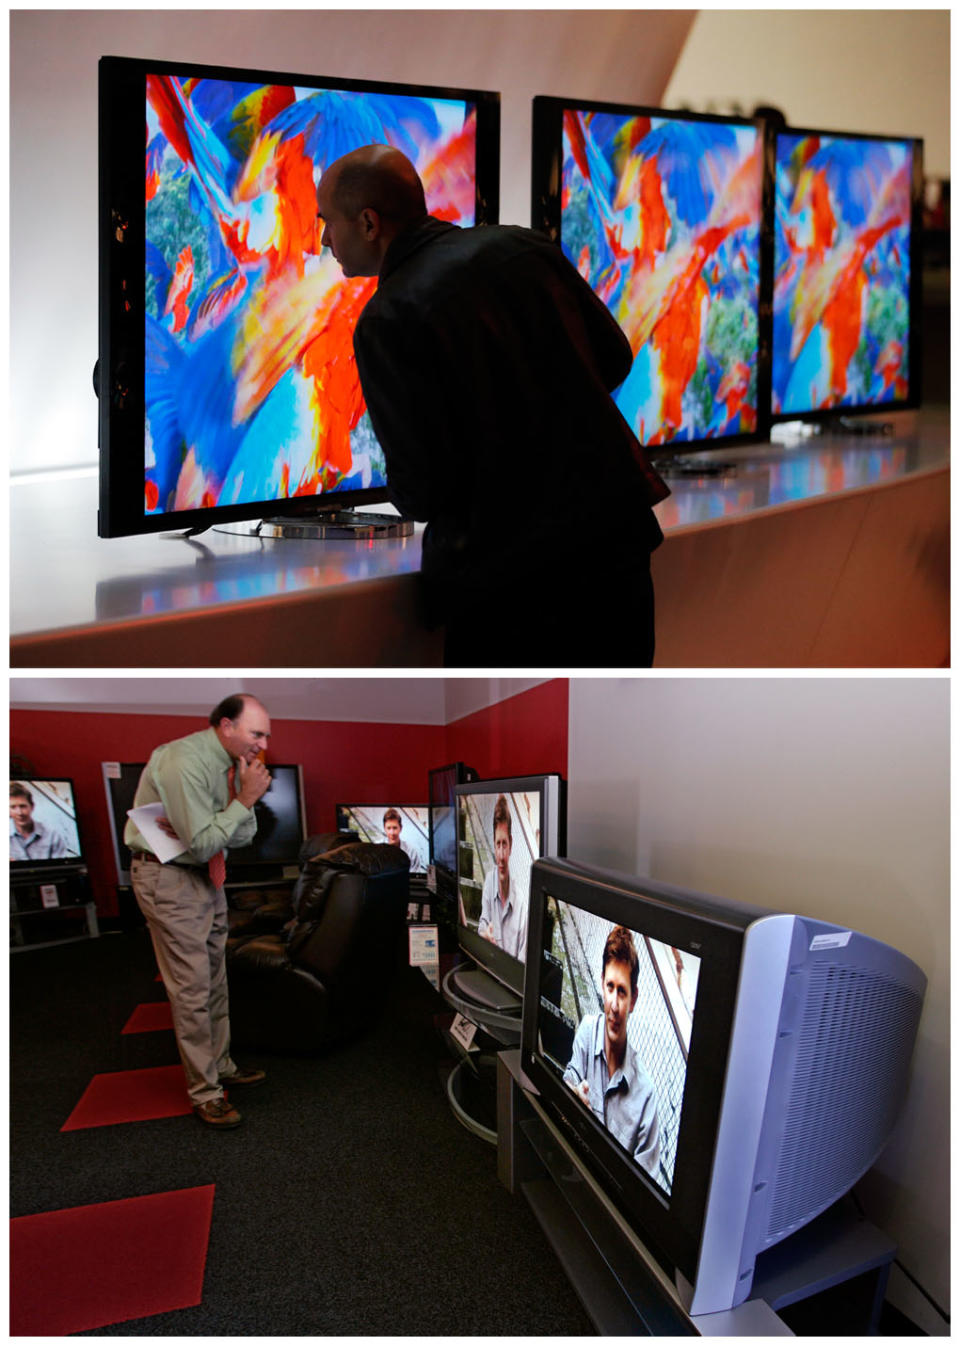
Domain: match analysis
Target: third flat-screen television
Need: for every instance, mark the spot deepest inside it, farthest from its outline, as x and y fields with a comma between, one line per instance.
x=503, y=826
x=403, y=825
x=442, y=782
x=728, y=1072
x=661, y=213
x=228, y=388
x=846, y=259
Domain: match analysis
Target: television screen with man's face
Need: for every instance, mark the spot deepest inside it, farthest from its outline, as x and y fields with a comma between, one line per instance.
x=615, y=1018
x=43, y=822
x=499, y=839
x=403, y=825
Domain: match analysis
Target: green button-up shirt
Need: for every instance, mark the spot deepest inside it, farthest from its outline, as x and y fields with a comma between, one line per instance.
x=189, y=778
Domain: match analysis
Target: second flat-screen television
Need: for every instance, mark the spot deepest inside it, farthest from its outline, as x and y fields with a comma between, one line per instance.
x=44, y=832
x=727, y=1072
x=403, y=825
x=280, y=814
x=661, y=212
x=442, y=782
x=228, y=388
x=846, y=258
x=503, y=826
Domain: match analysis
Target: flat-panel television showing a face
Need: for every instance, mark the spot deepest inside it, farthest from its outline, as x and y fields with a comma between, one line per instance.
x=727, y=1072
x=846, y=296
x=228, y=387
x=661, y=213
x=503, y=826
x=403, y=825
x=43, y=823
x=280, y=814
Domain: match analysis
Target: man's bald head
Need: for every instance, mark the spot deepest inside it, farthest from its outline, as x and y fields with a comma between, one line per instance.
x=366, y=198
x=382, y=178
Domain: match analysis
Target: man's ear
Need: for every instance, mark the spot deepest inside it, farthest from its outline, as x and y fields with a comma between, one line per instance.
x=370, y=219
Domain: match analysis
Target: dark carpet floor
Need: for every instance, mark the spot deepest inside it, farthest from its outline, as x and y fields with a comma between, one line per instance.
x=351, y=1201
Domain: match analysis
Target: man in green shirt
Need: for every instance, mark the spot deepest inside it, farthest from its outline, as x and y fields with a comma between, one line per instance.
x=207, y=784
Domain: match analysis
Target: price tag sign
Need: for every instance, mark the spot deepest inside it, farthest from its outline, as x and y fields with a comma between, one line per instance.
x=463, y=1031
x=48, y=895
x=111, y=770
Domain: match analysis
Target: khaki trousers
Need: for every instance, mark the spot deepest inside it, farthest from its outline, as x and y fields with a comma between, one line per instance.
x=187, y=919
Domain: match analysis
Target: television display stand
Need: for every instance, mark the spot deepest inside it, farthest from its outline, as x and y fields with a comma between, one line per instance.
x=344, y=523
x=472, y=1083
x=624, y=1288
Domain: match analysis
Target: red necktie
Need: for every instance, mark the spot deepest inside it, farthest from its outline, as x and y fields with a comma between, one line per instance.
x=217, y=864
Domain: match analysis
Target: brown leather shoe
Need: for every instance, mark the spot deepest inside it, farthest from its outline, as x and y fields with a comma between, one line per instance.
x=218, y=1112
x=246, y=1077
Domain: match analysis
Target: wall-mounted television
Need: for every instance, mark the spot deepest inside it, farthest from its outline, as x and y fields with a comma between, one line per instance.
x=280, y=814
x=503, y=826
x=227, y=383
x=44, y=832
x=727, y=1072
x=661, y=212
x=847, y=233
x=404, y=825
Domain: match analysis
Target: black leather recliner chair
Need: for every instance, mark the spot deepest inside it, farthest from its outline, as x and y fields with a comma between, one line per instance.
x=293, y=987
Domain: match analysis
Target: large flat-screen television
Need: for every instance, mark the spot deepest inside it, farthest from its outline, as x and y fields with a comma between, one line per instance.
x=44, y=832
x=728, y=1072
x=503, y=826
x=661, y=212
x=280, y=814
x=847, y=232
x=228, y=388
x=442, y=782
x=404, y=825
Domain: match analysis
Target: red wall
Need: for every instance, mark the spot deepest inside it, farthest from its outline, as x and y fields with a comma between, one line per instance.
x=524, y=735
x=342, y=762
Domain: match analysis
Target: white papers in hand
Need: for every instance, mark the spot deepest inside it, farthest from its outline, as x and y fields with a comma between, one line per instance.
x=164, y=847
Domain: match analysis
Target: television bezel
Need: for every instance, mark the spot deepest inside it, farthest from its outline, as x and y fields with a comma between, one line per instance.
x=671, y=1226
x=546, y=216
x=341, y=827
x=913, y=399
x=445, y=880
x=62, y=862
x=120, y=368
x=507, y=969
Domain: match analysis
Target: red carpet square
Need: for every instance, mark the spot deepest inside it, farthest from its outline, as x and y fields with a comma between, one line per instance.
x=150, y=1018
x=131, y=1096
x=79, y=1269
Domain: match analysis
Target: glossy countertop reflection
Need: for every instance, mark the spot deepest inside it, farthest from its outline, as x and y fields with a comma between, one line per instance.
x=63, y=576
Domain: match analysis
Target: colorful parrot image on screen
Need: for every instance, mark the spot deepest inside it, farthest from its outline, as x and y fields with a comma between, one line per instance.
x=841, y=307
x=661, y=215
x=251, y=388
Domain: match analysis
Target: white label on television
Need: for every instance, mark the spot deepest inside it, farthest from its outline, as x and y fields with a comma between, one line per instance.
x=48, y=895
x=837, y=941
x=463, y=1031
x=111, y=770
x=423, y=945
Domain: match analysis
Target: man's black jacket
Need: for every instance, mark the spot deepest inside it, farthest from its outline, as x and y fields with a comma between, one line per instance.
x=487, y=363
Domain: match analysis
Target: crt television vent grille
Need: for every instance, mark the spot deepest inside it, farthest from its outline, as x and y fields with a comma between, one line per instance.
x=854, y=1046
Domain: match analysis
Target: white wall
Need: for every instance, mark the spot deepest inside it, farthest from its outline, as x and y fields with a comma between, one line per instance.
x=626, y=55
x=885, y=71
x=824, y=796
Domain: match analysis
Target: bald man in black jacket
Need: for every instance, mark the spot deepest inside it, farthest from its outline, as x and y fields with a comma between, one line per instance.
x=487, y=364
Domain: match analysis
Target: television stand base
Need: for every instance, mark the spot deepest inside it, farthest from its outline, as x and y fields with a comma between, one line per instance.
x=344, y=523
